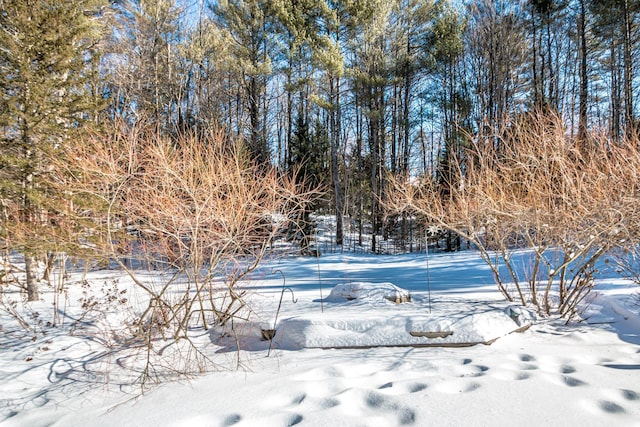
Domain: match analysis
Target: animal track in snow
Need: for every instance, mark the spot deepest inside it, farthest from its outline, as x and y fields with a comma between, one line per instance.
x=613, y=402
x=564, y=380
x=307, y=401
x=231, y=420
x=527, y=358
x=416, y=387
x=295, y=420
x=572, y=381
x=522, y=362
x=470, y=370
x=379, y=402
x=298, y=399
x=401, y=388
x=329, y=403
x=630, y=395
x=611, y=407
x=364, y=404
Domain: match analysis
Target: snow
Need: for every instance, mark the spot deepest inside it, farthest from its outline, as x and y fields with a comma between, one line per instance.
x=369, y=291
x=344, y=355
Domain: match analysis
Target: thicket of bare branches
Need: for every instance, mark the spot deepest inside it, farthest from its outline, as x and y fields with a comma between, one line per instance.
x=568, y=201
x=196, y=208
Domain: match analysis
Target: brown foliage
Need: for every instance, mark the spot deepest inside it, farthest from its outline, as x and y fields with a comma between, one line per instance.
x=568, y=201
x=197, y=207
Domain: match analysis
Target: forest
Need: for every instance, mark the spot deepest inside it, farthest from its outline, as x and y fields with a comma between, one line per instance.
x=190, y=130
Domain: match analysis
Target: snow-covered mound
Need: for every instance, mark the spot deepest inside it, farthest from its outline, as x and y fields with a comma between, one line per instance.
x=365, y=314
x=376, y=329
x=369, y=291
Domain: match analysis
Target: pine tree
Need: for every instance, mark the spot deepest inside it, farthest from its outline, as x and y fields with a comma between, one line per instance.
x=245, y=26
x=308, y=159
x=48, y=57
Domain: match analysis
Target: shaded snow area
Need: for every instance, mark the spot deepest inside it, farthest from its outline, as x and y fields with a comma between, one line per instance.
x=359, y=340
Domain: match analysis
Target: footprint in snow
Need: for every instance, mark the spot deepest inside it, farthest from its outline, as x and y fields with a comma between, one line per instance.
x=630, y=395
x=329, y=403
x=231, y=420
x=567, y=369
x=529, y=367
x=471, y=370
x=515, y=369
x=378, y=402
x=371, y=404
x=611, y=407
x=572, y=381
x=295, y=420
x=402, y=388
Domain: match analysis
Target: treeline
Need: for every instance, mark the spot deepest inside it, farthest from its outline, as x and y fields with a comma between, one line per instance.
x=352, y=91
x=346, y=95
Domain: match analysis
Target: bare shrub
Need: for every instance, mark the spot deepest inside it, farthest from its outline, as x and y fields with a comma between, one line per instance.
x=626, y=261
x=196, y=210
x=569, y=202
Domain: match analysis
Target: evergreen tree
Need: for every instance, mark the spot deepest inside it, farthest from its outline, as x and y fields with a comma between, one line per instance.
x=308, y=158
x=47, y=60
x=312, y=32
x=246, y=27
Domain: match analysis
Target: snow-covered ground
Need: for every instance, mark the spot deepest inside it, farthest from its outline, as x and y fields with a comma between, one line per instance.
x=337, y=361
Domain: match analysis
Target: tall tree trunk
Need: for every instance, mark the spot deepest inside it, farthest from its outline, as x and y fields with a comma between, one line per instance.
x=628, y=70
x=257, y=152
x=360, y=190
x=406, y=151
x=27, y=214
x=373, y=144
x=394, y=129
x=534, y=55
x=615, y=93
x=376, y=147
x=551, y=97
x=335, y=118
x=31, y=269
x=287, y=159
x=582, y=29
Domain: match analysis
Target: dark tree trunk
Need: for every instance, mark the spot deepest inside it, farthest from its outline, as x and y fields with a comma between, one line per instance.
x=628, y=70
x=582, y=123
x=335, y=118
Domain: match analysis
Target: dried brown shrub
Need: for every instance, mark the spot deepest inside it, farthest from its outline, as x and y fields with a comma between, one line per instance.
x=569, y=202
x=195, y=207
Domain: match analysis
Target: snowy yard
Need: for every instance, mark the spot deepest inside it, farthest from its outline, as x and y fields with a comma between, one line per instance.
x=349, y=361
